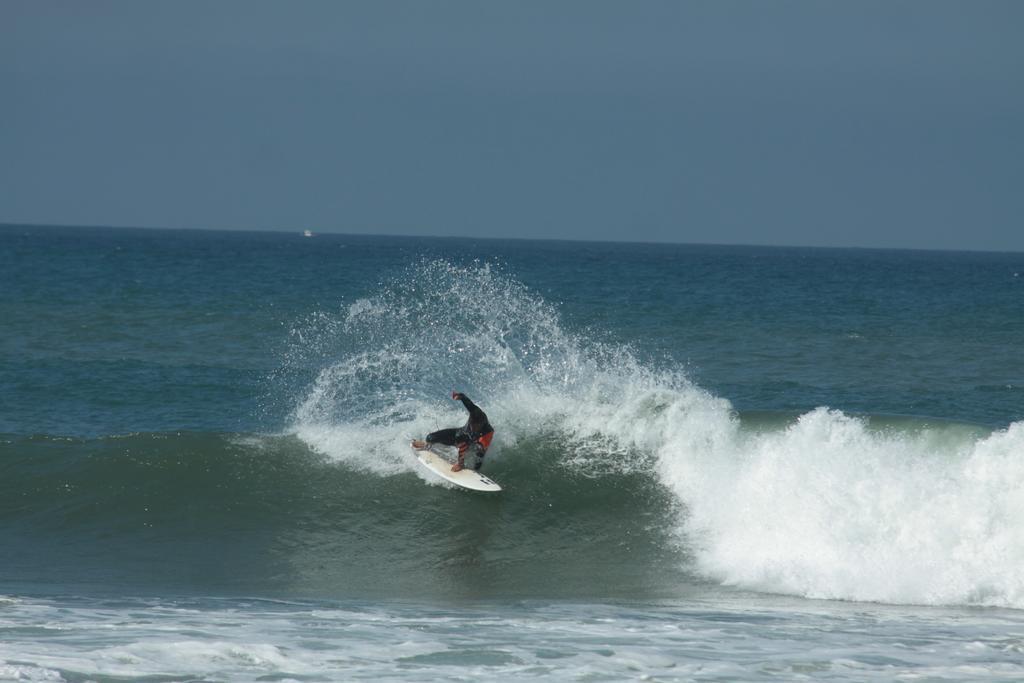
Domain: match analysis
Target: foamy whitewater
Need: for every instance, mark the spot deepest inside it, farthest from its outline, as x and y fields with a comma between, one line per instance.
x=718, y=463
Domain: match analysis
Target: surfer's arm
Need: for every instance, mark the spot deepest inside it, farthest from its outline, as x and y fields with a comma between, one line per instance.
x=470, y=406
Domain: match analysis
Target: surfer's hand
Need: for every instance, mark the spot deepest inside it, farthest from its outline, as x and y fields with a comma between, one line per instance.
x=456, y=396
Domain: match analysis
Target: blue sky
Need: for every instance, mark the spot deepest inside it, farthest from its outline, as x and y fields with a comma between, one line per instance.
x=875, y=124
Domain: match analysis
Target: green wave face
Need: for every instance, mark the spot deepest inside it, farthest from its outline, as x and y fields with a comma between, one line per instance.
x=212, y=512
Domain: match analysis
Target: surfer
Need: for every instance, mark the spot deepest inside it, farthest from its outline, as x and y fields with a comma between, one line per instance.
x=476, y=433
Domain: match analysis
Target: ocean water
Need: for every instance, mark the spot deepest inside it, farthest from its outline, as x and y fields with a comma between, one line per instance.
x=719, y=463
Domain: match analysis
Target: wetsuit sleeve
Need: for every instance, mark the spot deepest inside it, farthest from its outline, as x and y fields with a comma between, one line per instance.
x=470, y=406
x=475, y=414
x=478, y=422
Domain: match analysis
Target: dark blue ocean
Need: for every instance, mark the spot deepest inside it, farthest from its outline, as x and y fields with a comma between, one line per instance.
x=719, y=463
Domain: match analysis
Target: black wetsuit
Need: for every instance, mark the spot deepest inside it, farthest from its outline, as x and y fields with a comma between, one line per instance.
x=476, y=432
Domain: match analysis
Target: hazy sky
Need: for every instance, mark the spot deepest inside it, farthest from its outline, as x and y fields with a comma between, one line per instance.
x=891, y=124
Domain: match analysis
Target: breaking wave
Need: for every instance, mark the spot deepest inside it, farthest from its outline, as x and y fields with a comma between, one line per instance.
x=822, y=505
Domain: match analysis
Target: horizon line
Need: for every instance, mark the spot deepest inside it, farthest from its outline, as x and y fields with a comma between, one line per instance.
x=299, y=231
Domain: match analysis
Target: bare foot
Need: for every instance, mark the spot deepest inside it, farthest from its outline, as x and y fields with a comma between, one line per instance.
x=456, y=467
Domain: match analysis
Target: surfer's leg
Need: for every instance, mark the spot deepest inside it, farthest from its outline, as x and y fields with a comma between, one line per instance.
x=446, y=437
x=479, y=451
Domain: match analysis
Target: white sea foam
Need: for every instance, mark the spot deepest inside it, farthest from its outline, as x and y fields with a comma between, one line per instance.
x=245, y=640
x=27, y=673
x=827, y=507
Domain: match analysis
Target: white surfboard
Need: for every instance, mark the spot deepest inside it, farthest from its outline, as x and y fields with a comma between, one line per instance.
x=467, y=478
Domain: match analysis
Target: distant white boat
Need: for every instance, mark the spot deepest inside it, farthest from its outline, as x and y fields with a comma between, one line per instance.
x=307, y=233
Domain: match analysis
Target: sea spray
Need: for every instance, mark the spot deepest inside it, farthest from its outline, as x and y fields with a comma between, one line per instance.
x=391, y=360
x=825, y=507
